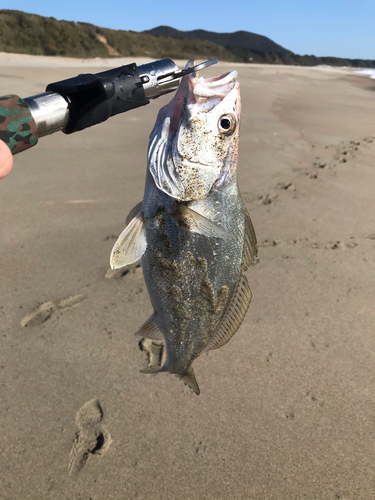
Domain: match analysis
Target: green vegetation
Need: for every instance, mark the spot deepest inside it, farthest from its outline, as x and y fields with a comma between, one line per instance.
x=131, y=43
x=32, y=34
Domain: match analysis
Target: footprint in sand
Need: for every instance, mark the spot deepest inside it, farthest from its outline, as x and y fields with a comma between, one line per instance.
x=46, y=310
x=267, y=199
x=91, y=438
x=366, y=236
x=286, y=186
x=332, y=245
x=305, y=243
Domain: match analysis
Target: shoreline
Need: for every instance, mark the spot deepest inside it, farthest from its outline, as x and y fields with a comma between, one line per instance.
x=9, y=59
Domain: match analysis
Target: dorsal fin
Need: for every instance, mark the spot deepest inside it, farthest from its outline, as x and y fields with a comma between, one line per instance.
x=233, y=316
x=250, y=248
x=131, y=243
x=150, y=329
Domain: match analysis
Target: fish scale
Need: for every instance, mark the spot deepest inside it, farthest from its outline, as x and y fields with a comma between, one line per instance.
x=183, y=297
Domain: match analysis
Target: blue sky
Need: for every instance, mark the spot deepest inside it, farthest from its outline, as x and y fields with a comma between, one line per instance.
x=341, y=28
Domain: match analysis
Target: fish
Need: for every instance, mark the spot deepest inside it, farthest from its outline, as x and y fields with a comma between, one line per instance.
x=191, y=231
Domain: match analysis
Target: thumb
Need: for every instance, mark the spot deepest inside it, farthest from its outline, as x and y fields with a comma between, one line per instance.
x=6, y=159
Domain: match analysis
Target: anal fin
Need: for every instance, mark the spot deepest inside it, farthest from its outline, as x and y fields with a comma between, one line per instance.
x=150, y=329
x=233, y=315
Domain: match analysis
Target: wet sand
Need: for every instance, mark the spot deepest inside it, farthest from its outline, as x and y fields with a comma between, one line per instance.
x=287, y=408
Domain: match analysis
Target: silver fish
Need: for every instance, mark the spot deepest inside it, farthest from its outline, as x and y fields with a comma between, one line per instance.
x=191, y=230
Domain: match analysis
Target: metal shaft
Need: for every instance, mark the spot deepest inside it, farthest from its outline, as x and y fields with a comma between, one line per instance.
x=50, y=112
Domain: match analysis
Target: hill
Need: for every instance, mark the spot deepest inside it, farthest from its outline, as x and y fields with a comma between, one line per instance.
x=25, y=33
x=243, y=39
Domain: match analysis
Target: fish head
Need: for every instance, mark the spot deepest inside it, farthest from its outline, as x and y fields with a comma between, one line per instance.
x=194, y=144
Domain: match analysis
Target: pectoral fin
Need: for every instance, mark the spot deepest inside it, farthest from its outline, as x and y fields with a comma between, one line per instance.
x=131, y=243
x=197, y=223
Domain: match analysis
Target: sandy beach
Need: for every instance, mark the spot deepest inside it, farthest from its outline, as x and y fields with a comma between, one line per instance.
x=287, y=407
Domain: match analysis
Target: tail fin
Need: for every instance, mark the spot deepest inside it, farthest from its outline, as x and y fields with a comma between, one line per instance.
x=189, y=379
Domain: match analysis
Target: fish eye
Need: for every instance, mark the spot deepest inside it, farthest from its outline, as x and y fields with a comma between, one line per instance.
x=227, y=124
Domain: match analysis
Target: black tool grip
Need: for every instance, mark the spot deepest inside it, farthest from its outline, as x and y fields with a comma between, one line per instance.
x=93, y=98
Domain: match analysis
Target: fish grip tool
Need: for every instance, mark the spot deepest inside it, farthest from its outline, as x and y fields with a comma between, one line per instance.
x=92, y=99
x=85, y=100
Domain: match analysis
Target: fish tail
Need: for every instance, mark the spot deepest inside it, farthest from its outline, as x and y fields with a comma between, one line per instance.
x=188, y=378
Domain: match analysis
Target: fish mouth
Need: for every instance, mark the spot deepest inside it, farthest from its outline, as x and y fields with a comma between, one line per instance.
x=197, y=88
x=217, y=87
x=205, y=92
x=220, y=80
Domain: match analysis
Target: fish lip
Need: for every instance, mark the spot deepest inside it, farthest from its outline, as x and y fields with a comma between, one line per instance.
x=211, y=88
x=196, y=88
x=218, y=81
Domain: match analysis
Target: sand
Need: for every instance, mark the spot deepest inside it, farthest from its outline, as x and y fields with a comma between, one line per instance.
x=287, y=408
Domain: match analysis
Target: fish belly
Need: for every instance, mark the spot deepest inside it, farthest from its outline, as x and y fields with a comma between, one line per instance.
x=191, y=277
